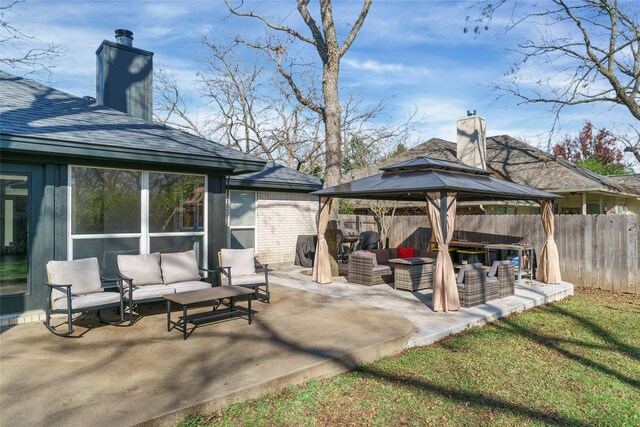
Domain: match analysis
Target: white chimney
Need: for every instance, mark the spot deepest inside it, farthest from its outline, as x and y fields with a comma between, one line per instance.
x=472, y=140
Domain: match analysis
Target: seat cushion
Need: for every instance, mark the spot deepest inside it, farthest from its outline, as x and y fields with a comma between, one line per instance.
x=241, y=261
x=193, y=285
x=179, y=267
x=82, y=274
x=247, y=279
x=367, y=254
x=382, y=268
x=143, y=269
x=149, y=291
x=88, y=300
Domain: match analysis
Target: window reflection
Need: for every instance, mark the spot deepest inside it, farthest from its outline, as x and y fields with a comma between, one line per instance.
x=14, y=234
x=176, y=203
x=105, y=201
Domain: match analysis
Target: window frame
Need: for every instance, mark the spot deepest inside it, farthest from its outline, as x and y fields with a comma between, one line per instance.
x=144, y=236
x=243, y=227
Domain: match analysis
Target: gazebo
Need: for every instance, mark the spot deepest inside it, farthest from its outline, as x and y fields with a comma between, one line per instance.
x=439, y=183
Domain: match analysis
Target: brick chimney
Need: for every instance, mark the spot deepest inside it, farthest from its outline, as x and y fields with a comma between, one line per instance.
x=124, y=76
x=472, y=140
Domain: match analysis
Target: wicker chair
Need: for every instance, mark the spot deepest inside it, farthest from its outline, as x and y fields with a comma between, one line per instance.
x=506, y=280
x=361, y=270
x=476, y=289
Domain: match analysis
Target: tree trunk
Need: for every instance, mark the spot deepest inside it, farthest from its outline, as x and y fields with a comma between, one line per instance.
x=333, y=156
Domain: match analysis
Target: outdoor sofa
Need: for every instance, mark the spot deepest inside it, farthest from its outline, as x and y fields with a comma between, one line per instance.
x=373, y=267
x=477, y=286
x=146, y=278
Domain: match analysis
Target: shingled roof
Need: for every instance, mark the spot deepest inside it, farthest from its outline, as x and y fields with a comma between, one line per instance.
x=40, y=120
x=277, y=177
x=514, y=161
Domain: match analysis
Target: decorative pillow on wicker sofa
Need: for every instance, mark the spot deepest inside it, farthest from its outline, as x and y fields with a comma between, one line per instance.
x=406, y=253
x=82, y=274
x=143, y=269
x=494, y=267
x=179, y=267
x=460, y=277
x=241, y=261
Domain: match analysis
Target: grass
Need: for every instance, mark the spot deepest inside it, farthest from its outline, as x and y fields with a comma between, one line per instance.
x=576, y=363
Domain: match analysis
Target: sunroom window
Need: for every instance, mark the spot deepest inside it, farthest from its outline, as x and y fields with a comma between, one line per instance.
x=242, y=219
x=118, y=211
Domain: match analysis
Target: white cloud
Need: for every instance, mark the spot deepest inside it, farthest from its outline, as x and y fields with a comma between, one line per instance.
x=374, y=66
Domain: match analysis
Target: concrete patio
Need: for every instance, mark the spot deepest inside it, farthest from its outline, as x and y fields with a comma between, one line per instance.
x=429, y=326
x=145, y=375
x=116, y=376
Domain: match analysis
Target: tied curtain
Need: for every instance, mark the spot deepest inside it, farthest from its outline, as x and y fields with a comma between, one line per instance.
x=549, y=263
x=441, y=209
x=321, y=262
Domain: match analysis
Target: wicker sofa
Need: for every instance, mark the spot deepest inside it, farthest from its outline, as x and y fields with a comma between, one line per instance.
x=477, y=288
x=361, y=268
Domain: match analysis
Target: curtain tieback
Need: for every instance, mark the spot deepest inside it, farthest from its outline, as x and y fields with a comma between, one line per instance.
x=443, y=247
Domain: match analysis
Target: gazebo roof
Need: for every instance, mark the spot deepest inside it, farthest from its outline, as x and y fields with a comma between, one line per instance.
x=411, y=179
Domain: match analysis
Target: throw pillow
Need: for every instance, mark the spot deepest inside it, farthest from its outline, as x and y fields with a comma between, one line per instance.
x=405, y=252
x=179, y=267
x=143, y=269
x=241, y=261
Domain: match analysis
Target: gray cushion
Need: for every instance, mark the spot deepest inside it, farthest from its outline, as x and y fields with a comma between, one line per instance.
x=494, y=267
x=88, y=300
x=426, y=253
x=194, y=285
x=179, y=267
x=467, y=267
x=248, y=279
x=82, y=274
x=382, y=268
x=241, y=261
x=143, y=269
x=393, y=253
x=382, y=255
x=149, y=291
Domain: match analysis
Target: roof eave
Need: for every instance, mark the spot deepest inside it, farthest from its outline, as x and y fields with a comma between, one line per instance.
x=56, y=148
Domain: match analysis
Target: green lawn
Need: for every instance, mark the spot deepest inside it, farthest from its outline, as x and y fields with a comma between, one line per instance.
x=572, y=363
x=13, y=273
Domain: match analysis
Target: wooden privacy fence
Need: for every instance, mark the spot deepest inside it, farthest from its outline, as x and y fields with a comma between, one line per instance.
x=598, y=251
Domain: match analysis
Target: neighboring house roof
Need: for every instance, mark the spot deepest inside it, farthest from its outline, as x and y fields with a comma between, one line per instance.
x=40, y=120
x=514, y=161
x=628, y=180
x=277, y=177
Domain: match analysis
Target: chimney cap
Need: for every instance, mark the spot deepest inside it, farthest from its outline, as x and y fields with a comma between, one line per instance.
x=124, y=37
x=469, y=113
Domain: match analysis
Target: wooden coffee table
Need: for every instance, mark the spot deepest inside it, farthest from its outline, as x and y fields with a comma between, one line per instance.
x=207, y=295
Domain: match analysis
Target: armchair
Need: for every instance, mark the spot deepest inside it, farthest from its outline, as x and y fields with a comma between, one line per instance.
x=238, y=268
x=76, y=287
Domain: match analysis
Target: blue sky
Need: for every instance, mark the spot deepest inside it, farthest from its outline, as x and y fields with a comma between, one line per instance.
x=412, y=54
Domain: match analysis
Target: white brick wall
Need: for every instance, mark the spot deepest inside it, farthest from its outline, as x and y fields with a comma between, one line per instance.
x=281, y=217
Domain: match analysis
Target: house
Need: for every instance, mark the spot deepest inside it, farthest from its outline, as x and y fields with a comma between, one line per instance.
x=584, y=192
x=81, y=177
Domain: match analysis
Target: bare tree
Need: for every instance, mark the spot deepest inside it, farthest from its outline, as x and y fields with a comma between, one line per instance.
x=384, y=213
x=170, y=107
x=324, y=39
x=591, y=49
x=12, y=52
